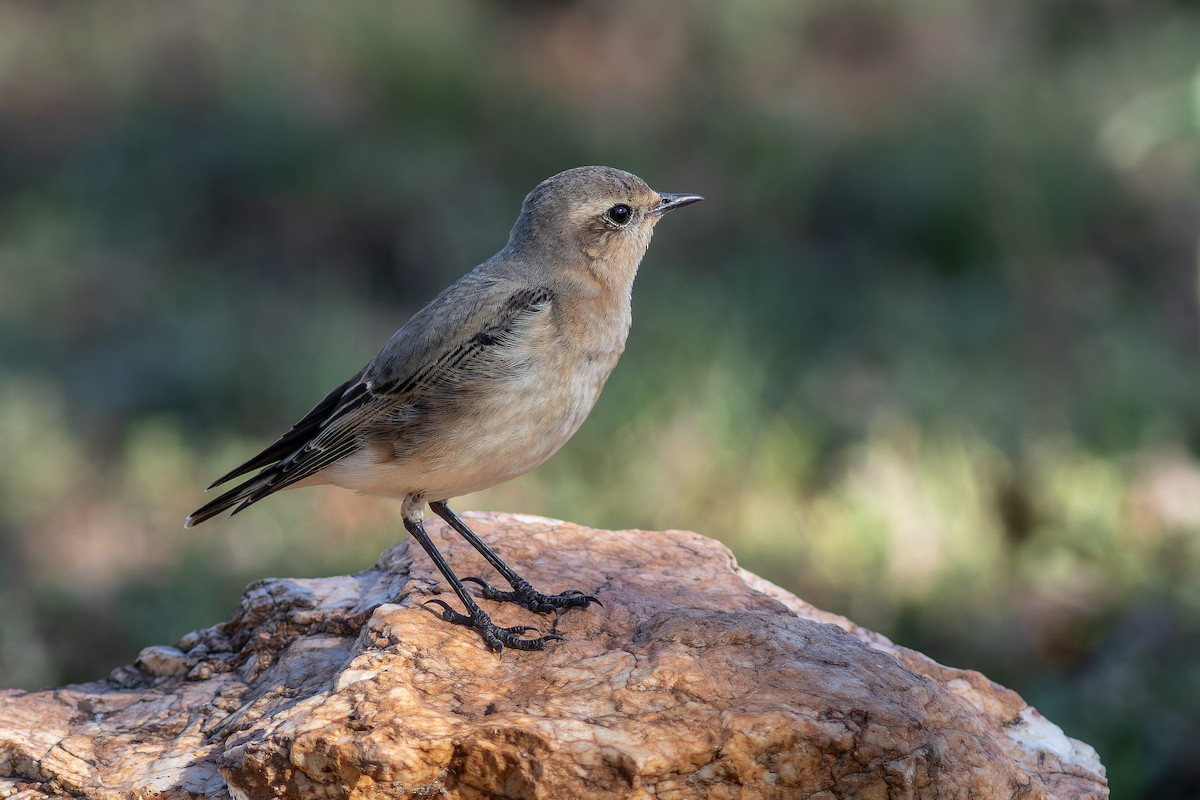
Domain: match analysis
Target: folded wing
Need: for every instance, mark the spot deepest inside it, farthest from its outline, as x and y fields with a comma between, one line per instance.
x=411, y=365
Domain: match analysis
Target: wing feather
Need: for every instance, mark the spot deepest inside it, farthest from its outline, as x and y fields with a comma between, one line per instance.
x=392, y=382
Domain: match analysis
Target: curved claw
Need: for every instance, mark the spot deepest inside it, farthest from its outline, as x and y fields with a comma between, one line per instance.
x=526, y=596
x=448, y=613
x=480, y=581
x=576, y=593
x=494, y=636
x=489, y=592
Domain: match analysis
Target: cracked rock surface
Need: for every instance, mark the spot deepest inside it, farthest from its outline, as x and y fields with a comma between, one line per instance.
x=696, y=679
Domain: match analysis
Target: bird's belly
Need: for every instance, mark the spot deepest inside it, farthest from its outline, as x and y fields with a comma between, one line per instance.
x=505, y=431
x=529, y=423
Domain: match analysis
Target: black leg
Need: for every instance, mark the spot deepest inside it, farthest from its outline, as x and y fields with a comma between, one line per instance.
x=494, y=636
x=523, y=593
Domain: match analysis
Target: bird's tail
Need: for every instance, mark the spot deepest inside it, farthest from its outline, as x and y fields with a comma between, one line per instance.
x=242, y=493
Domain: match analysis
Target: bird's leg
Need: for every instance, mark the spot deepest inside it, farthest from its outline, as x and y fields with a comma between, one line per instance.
x=523, y=594
x=494, y=636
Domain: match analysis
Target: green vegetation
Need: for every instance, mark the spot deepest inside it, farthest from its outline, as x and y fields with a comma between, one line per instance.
x=927, y=356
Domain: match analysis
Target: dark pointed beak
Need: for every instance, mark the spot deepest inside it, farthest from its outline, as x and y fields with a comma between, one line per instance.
x=670, y=201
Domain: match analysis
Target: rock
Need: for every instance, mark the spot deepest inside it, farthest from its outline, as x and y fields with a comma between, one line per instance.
x=695, y=680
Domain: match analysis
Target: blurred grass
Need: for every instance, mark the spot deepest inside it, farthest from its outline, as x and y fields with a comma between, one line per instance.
x=927, y=355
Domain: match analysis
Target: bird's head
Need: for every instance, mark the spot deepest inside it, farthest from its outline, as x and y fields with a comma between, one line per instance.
x=600, y=217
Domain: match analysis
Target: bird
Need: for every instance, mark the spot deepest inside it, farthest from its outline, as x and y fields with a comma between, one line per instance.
x=484, y=383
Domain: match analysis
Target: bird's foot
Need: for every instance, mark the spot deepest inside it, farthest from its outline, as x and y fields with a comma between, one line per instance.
x=495, y=637
x=526, y=596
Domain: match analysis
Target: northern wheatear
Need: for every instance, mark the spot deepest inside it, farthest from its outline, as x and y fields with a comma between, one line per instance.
x=485, y=382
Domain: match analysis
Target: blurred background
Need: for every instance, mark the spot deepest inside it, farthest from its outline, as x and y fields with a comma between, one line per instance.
x=927, y=356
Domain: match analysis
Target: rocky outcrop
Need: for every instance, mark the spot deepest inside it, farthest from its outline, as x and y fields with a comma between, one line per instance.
x=696, y=679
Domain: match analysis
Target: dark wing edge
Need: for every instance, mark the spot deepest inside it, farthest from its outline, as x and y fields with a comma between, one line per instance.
x=518, y=306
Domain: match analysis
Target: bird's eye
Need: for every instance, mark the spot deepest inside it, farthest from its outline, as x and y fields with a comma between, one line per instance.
x=619, y=214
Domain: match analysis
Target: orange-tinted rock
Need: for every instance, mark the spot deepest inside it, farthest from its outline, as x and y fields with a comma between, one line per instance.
x=695, y=680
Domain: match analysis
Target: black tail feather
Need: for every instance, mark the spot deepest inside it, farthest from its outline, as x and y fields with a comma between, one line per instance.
x=227, y=500
x=290, y=459
x=300, y=433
